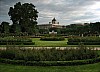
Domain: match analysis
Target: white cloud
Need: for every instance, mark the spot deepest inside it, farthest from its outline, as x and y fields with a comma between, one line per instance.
x=66, y=11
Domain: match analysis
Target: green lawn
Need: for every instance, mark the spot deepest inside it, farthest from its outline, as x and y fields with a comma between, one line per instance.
x=82, y=68
x=38, y=42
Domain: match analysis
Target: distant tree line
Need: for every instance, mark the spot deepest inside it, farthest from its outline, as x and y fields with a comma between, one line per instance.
x=88, y=29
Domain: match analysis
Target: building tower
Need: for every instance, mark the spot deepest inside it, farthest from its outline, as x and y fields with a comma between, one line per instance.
x=54, y=21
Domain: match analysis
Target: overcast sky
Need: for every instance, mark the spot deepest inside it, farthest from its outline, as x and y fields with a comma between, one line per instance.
x=65, y=11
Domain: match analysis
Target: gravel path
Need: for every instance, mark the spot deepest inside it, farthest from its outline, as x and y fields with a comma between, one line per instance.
x=4, y=48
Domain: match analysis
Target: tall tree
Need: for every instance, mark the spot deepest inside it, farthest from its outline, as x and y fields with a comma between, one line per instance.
x=0, y=29
x=24, y=15
x=5, y=27
x=15, y=29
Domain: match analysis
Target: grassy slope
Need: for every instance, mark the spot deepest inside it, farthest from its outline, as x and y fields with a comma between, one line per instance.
x=83, y=68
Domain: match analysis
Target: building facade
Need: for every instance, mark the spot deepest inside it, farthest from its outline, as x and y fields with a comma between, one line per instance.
x=52, y=24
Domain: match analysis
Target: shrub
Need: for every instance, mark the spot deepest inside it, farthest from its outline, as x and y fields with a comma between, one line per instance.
x=84, y=40
x=49, y=57
x=50, y=63
x=80, y=53
x=16, y=41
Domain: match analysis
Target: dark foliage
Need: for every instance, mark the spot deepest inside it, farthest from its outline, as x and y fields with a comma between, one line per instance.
x=84, y=40
x=52, y=37
x=50, y=63
x=53, y=54
x=16, y=41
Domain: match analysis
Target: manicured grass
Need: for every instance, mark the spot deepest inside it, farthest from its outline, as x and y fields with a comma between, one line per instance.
x=81, y=68
x=38, y=42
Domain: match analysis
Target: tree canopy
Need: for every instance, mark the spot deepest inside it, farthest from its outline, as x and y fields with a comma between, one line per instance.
x=24, y=15
x=4, y=27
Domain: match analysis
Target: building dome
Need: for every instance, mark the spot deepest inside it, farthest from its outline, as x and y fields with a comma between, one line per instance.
x=54, y=19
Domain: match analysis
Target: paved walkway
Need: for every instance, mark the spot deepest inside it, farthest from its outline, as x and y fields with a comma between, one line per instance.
x=4, y=48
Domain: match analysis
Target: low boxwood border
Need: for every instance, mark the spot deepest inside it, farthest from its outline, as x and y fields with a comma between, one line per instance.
x=85, y=43
x=50, y=63
x=17, y=43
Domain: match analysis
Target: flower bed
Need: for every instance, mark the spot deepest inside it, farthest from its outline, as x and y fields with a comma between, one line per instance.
x=49, y=57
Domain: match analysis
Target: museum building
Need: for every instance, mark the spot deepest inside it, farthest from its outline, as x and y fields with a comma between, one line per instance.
x=52, y=24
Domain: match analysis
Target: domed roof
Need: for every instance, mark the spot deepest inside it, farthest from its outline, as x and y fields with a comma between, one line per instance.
x=54, y=19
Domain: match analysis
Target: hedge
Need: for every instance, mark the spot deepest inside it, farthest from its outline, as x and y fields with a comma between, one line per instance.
x=85, y=43
x=84, y=40
x=50, y=63
x=52, y=54
x=16, y=41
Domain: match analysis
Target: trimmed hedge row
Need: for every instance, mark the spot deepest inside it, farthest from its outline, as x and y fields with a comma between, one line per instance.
x=16, y=41
x=52, y=38
x=85, y=43
x=50, y=63
x=53, y=54
x=84, y=40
